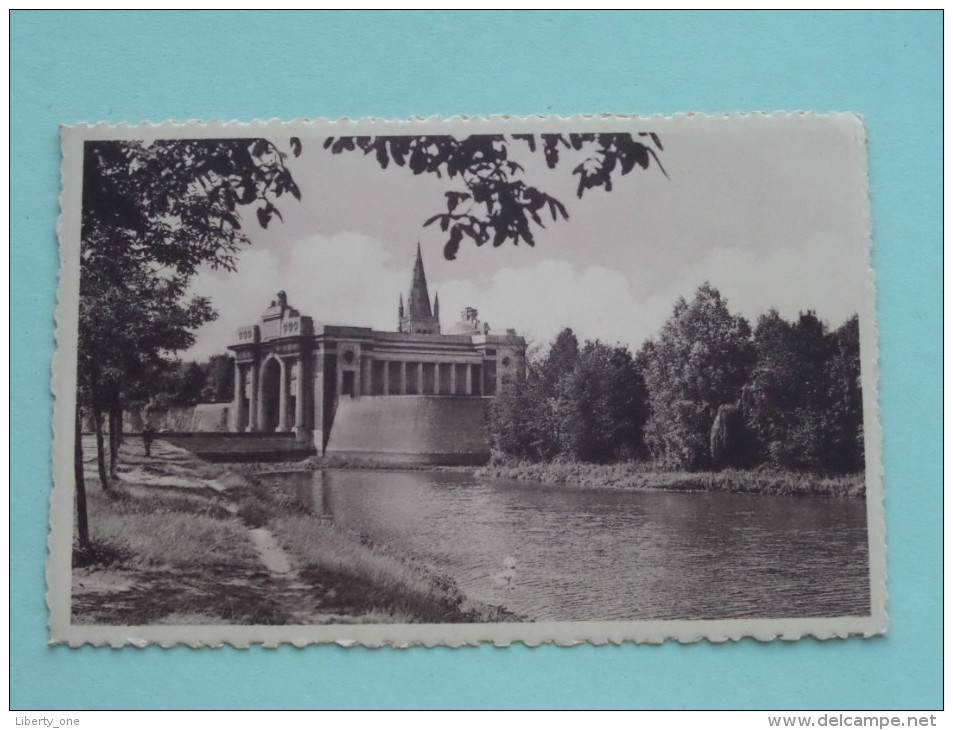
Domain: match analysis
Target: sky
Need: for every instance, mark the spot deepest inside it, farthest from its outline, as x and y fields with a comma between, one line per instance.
x=772, y=211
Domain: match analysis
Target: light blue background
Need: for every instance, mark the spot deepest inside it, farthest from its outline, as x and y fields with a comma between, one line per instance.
x=129, y=67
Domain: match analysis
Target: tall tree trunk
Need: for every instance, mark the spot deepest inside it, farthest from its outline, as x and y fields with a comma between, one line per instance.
x=81, y=517
x=119, y=433
x=100, y=449
x=115, y=437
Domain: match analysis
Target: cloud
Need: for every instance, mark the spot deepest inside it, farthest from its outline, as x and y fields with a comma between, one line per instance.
x=826, y=274
x=351, y=278
x=540, y=300
x=348, y=278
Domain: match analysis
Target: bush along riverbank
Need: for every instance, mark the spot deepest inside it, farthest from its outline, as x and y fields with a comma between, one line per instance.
x=180, y=541
x=634, y=475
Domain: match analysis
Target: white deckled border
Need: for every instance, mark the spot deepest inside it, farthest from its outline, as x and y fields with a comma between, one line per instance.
x=59, y=542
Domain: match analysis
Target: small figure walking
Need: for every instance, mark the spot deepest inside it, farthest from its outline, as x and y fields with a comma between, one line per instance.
x=148, y=433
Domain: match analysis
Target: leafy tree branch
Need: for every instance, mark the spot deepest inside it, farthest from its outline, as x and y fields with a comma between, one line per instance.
x=496, y=204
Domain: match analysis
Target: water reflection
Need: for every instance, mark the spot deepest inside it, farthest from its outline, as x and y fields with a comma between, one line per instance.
x=602, y=555
x=313, y=495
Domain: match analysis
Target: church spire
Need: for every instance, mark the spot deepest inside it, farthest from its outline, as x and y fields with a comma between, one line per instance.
x=418, y=301
x=418, y=318
x=436, y=306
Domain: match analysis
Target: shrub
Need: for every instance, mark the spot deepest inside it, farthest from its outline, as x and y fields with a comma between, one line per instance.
x=252, y=513
x=99, y=553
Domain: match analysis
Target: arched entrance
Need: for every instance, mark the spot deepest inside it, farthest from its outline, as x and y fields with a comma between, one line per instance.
x=271, y=394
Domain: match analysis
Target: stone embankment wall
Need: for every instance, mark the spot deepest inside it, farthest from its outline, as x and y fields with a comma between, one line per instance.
x=203, y=417
x=411, y=429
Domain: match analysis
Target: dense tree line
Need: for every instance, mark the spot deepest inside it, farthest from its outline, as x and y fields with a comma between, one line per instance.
x=706, y=392
x=586, y=403
x=805, y=394
x=185, y=382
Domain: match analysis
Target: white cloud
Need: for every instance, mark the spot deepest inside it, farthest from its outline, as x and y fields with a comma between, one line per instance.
x=825, y=274
x=348, y=278
x=351, y=278
x=596, y=302
x=540, y=300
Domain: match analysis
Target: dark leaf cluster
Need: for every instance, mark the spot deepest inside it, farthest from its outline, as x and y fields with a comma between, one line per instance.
x=496, y=205
x=609, y=152
x=177, y=203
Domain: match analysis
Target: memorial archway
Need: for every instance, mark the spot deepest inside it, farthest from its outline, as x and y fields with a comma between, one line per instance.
x=270, y=394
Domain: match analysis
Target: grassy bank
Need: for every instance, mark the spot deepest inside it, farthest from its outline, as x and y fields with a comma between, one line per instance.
x=631, y=475
x=625, y=475
x=173, y=543
x=380, y=576
x=315, y=463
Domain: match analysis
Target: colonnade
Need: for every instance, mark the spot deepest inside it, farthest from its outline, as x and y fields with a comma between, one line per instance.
x=402, y=377
x=265, y=404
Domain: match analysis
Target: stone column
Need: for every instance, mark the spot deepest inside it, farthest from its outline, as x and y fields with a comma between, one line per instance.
x=420, y=378
x=317, y=389
x=386, y=377
x=403, y=378
x=366, y=386
x=469, y=377
x=299, y=396
x=453, y=378
x=237, y=398
x=282, y=397
x=436, y=378
x=254, y=403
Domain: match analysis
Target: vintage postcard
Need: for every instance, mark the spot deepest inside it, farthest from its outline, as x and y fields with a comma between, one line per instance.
x=450, y=381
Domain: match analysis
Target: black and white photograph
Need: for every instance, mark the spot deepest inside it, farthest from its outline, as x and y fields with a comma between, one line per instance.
x=447, y=381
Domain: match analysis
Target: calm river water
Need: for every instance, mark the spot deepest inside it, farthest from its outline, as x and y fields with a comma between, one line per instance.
x=597, y=554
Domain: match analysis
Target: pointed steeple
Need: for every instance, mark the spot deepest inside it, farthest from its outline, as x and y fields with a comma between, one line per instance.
x=436, y=306
x=400, y=307
x=418, y=318
x=418, y=301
